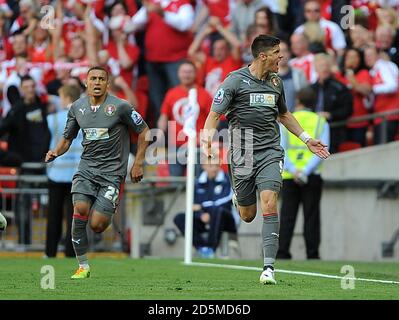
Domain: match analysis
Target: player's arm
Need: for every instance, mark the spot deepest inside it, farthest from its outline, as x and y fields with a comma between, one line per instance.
x=137, y=171
x=316, y=146
x=61, y=147
x=220, y=105
x=209, y=131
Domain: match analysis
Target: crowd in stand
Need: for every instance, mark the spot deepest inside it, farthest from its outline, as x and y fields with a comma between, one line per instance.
x=350, y=59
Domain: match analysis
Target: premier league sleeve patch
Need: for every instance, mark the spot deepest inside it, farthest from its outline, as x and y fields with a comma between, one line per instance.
x=136, y=117
x=218, y=99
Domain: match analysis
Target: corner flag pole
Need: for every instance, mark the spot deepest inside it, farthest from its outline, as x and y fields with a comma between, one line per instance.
x=189, y=129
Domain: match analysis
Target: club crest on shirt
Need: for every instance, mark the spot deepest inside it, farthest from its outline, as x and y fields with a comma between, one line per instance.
x=218, y=99
x=275, y=81
x=110, y=110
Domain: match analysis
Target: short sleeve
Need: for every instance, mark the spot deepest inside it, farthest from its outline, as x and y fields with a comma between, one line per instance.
x=225, y=95
x=132, y=118
x=281, y=104
x=72, y=127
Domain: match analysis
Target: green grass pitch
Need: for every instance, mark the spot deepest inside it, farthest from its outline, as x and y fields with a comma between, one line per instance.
x=170, y=279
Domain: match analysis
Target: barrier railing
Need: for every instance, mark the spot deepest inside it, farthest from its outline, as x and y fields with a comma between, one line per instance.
x=383, y=115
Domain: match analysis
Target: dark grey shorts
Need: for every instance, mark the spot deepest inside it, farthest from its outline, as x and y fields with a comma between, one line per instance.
x=100, y=191
x=258, y=171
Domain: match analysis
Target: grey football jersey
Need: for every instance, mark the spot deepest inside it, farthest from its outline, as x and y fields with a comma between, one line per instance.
x=253, y=104
x=106, y=139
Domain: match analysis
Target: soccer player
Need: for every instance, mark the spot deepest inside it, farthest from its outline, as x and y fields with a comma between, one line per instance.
x=105, y=121
x=253, y=99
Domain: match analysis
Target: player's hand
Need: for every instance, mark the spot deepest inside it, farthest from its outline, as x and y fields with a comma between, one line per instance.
x=50, y=156
x=136, y=174
x=318, y=148
x=207, y=149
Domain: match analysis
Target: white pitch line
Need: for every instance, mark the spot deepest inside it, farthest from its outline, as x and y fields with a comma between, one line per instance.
x=312, y=274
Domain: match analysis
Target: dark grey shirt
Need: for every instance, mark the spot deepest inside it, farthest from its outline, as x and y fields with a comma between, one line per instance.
x=106, y=139
x=253, y=104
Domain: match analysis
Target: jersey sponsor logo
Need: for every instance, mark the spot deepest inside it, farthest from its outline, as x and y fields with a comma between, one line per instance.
x=261, y=99
x=136, y=117
x=96, y=133
x=218, y=99
x=110, y=110
x=83, y=111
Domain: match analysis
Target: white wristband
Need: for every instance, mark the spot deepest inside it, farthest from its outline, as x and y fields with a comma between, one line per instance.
x=305, y=137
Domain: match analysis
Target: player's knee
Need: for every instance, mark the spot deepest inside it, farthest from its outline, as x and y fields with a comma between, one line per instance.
x=81, y=209
x=269, y=203
x=247, y=218
x=247, y=215
x=98, y=227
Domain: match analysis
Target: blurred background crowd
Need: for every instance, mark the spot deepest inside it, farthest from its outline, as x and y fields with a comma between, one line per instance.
x=349, y=55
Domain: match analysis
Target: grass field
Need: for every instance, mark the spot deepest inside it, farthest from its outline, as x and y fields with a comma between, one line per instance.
x=154, y=279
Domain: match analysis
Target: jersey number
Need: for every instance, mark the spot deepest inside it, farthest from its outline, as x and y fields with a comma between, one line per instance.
x=111, y=194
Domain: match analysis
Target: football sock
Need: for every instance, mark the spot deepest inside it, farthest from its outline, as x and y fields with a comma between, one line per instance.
x=79, y=239
x=270, y=230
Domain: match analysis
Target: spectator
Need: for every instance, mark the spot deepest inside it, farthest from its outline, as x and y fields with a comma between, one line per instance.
x=213, y=69
x=334, y=37
x=304, y=59
x=302, y=182
x=264, y=20
x=62, y=74
x=28, y=137
x=222, y=9
x=212, y=210
x=26, y=21
x=173, y=110
x=360, y=37
x=244, y=16
x=357, y=78
x=167, y=39
x=5, y=45
x=384, y=40
x=11, y=80
x=60, y=173
x=334, y=100
x=26, y=124
x=385, y=75
x=293, y=78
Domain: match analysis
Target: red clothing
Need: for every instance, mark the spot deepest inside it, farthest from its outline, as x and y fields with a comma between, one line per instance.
x=164, y=43
x=42, y=54
x=215, y=72
x=99, y=8
x=359, y=108
x=385, y=75
x=306, y=64
x=132, y=50
x=220, y=9
x=70, y=28
x=369, y=8
x=174, y=105
x=6, y=52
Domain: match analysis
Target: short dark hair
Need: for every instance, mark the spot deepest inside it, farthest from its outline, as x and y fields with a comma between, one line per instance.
x=263, y=43
x=98, y=68
x=26, y=78
x=307, y=97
